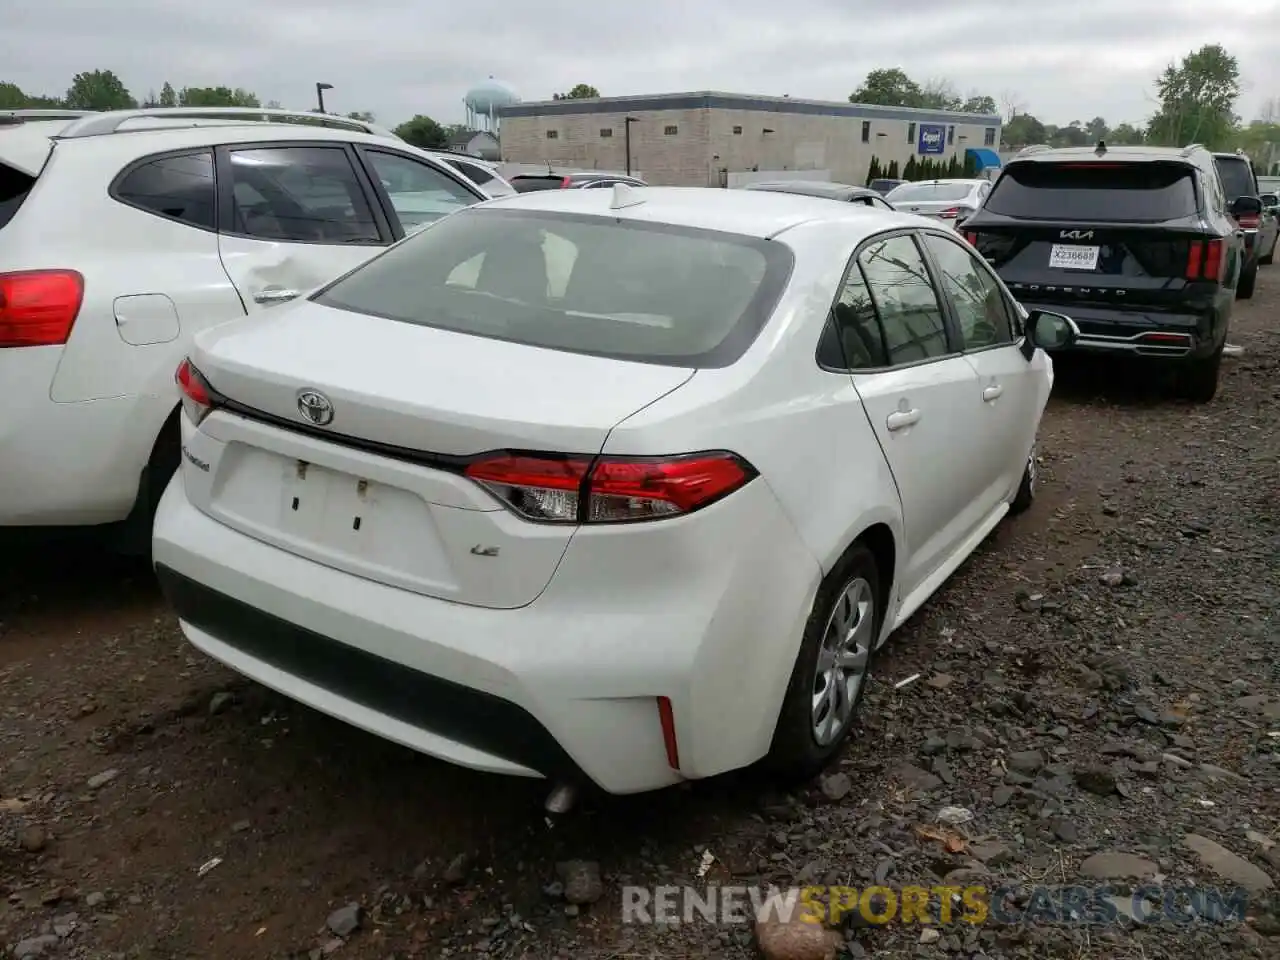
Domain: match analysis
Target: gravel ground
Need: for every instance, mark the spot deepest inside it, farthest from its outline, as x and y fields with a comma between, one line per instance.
x=1097, y=692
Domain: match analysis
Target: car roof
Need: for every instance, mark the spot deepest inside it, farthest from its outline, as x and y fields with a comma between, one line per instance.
x=755, y=213
x=1231, y=156
x=973, y=181
x=813, y=188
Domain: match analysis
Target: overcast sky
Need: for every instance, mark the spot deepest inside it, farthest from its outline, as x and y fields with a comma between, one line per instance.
x=396, y=58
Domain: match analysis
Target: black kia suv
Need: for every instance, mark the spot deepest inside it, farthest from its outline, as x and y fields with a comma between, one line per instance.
x=1136, y=244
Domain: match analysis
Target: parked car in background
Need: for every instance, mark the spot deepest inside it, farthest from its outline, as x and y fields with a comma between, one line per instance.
x=883, y=186
x=822, y=188
x=633, y=556
x=118, y=243
x=528, y=182
x=483, y=174
x=948, y=200
x=1260, y=231
x=1134, y=243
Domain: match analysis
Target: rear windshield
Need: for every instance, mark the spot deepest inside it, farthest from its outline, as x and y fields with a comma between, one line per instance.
x=1237, y=178
x=1096, y=192
x=14, y=187
x=525, y=184
x=633, y=291
x=930, y=191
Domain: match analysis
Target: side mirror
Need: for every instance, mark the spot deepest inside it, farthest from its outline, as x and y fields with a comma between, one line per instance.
x=1246, y=207
x=1048, y=331
x=1269, y=201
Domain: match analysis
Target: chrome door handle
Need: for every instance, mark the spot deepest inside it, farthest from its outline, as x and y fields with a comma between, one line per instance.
x=274, y=295
x=902, y=419
x=992, y=392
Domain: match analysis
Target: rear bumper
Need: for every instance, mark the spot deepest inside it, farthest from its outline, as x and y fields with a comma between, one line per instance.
x=1149, y=335
x=65, y=464
x=565, y=687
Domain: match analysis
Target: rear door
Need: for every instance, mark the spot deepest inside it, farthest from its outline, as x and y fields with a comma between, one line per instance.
x=920, y=396
x=1009, y=386
x=294, y=215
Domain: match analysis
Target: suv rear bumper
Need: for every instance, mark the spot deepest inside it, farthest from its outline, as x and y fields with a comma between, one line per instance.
x=1136, y=333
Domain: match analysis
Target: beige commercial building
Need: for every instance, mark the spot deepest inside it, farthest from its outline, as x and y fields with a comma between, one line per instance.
x=715, y=139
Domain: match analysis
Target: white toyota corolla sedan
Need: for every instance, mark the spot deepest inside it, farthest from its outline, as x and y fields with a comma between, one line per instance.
x=622, y=487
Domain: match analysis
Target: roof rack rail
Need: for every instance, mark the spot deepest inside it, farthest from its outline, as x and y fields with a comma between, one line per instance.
x=99, y=124
x=1034, y=148
x=1191, y=148
x=41, y=113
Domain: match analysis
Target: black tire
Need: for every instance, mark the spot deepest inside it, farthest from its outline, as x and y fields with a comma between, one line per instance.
x=133, y=536
x=1199, y=378
x=797, y=754
x=1026, y=494
x=1248, y=280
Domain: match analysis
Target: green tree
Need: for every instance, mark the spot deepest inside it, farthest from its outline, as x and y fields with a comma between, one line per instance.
x=980, y=104
x=1023, y=130
x=1197, y=99
x=1126, y=134
x=892, y=173
x=581, y=91
x=364, y=115
x=888, y=87
x=167, y=97
x=873, y=171
x=12, y=97
x=970, y=165
x=423, y=132
x=217, y=97
x=911, y=170
x=98, y=90
x=1097, y=129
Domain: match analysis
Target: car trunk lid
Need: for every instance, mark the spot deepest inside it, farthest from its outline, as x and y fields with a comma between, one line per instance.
x=378, y=490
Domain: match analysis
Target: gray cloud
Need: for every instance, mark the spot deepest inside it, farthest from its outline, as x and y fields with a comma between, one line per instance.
x=397, y=58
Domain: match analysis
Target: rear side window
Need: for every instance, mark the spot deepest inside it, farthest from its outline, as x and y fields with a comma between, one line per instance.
x=1095, y=192
x=14, y=187
x=527, y=184
x=905, y=300
x=300, y=194
x=1237, y=177
x=597, y=285
x=476, y=174
x=177, y=187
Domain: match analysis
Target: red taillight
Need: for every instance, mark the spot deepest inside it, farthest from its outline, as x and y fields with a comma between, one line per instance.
x=566, y=183
x=197, y=396
x=1248, y=221
x=950, y=213
x=971, y=238
x=1204, y=260
x=667, y=720
x=39, y=307
x=1167, y=339
x=608, y=490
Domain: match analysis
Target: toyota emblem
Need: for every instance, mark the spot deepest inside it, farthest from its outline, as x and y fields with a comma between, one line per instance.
x=315, y=407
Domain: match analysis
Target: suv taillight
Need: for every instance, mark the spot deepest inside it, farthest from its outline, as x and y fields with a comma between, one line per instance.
x=39, y=307
x=197, y=395
x=1204, y=260
x=971, y=238
x=565, y=489
x=566, y=183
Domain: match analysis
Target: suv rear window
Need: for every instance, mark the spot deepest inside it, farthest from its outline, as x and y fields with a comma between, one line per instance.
x=1236, y=176
x=524, y=184
x=1147, y=192
x=632, y=291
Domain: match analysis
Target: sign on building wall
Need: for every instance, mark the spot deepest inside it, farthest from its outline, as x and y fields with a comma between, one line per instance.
x=933, y=138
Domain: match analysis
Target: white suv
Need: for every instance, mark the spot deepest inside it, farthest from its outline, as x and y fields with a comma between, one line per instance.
x=123, y=234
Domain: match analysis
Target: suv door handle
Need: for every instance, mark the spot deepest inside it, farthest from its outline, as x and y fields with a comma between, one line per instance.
x=274, y=295
x=992, y=392
x=901, y=419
